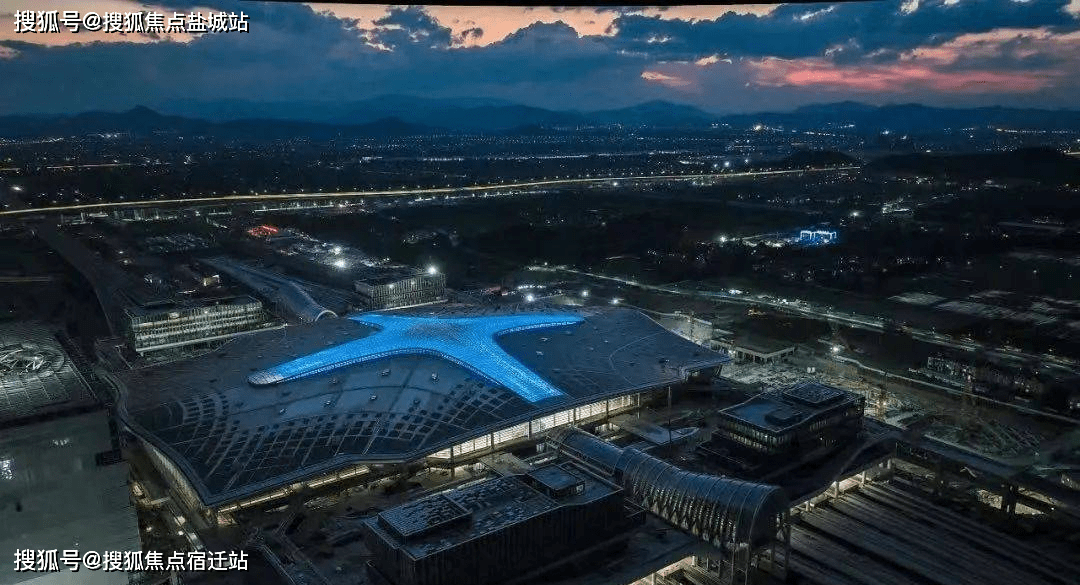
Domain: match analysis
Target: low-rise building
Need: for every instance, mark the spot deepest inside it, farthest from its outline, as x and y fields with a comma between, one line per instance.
x=499, y=529
x=393, y=288
x=804, y=419
x=158, y=327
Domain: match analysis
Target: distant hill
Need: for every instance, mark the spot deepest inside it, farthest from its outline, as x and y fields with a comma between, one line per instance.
x=485, y=114
x=655, y=113
x=144, y=121
x=463, y=114
x=1034, y=164
x=401, y=115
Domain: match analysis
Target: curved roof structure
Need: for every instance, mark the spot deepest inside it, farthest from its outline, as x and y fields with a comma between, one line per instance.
x=723, y=511
x=273, y=408
x=274, y=288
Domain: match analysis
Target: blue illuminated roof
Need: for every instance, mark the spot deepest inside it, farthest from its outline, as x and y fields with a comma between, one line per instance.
x=465, y=341
x=388, y=387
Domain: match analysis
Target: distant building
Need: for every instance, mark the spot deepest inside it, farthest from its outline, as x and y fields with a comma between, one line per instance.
x=171, y=326
x=806, y=419
x=984, y=377
x=393, y=288
x=498, y=529
x=757, y=349
x=816, y=237
x=700, y=331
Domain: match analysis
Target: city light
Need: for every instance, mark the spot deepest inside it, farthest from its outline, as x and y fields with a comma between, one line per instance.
x=340, y=263
x=723, y=239
x=530, y=298
x=585, y=294
x=836, y=349
x=615, y=301
x=337, y=249
x=432, y=270
x=16, y=188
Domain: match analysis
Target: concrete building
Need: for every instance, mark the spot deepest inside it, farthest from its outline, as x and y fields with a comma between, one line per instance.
x=804, y=419
x=397, y=287
x=500, y=530
x=758, y=350
x=159, y=327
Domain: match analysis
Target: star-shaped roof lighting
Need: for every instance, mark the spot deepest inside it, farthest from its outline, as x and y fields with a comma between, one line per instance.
x=469, y=342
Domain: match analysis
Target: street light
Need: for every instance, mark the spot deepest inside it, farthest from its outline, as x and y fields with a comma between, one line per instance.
x=432, y=270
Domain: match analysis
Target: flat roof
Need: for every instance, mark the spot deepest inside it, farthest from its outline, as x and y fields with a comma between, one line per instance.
x=189, y=305
x=377, y=275
x=55, y=494
x=781, y=411
x=36, y=374
x=317, y=405
x=762, y=345
x=447, y=519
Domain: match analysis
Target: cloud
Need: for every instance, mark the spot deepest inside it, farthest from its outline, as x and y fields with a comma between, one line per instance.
x=407, y=26
x=664, y=79
x=794, y=31
x=895, y=78
x=981, y=51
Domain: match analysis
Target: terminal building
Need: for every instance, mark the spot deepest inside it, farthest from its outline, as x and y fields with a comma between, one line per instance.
x=503, y=529
x=271, y=414
x=804, y=420
x=173, y=325
x=63, y=484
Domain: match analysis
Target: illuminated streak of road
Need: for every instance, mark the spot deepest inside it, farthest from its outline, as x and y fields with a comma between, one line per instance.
x=406, y=192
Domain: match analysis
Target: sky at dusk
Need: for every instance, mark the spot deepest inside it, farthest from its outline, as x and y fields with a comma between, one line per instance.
x=722, y=59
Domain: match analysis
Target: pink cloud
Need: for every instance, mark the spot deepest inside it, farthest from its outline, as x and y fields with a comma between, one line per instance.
x=936, y=68
x=895, y=77
x=665, y=79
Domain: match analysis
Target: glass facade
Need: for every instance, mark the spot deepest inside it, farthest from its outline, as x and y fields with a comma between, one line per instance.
x=405, y=292
x=542, y=424
x=177, y=327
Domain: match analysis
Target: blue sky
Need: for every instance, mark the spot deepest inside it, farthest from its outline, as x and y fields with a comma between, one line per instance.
x=722, y=59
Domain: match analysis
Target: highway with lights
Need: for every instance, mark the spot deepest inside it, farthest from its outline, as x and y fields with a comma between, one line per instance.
x=22, y=211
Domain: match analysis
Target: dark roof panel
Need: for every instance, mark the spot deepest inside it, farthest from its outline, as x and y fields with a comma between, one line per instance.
x=234, y=439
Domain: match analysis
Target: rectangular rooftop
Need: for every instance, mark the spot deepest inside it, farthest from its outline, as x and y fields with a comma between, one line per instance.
x=447, y=519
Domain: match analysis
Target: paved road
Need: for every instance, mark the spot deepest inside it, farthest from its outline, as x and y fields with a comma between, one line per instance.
x=16, y=212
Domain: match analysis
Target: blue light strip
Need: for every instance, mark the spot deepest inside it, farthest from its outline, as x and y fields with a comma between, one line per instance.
x=466, y=341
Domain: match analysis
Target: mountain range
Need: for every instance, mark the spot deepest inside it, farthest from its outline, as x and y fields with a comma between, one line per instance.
x=404, y=115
